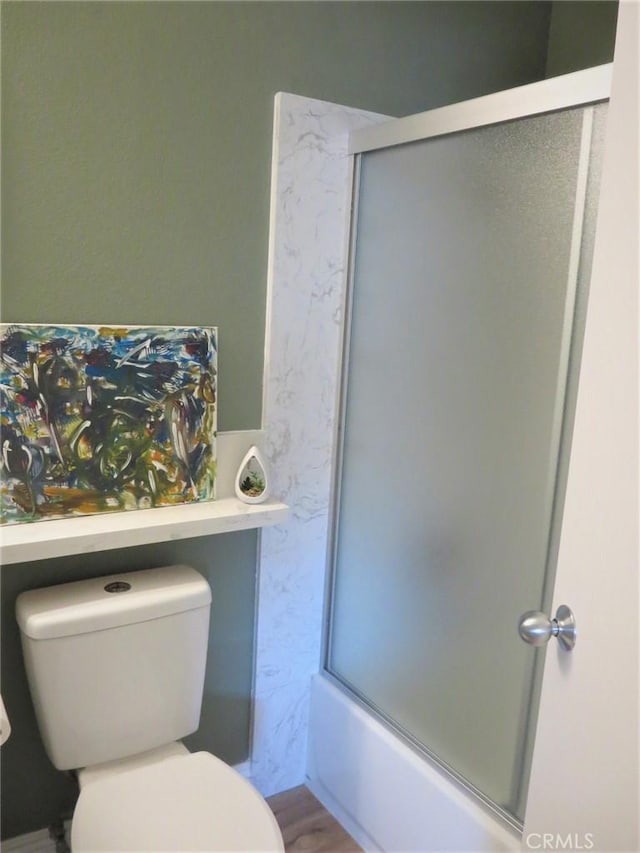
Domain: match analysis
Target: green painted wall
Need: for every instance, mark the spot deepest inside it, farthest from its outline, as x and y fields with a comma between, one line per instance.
x=137, y=144
x=135, y=186
x=582, y=34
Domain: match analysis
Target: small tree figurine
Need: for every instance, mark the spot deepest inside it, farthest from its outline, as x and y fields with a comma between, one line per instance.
x=252, y=485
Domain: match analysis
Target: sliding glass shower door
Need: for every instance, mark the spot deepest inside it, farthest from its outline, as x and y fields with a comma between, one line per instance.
x=471, y=254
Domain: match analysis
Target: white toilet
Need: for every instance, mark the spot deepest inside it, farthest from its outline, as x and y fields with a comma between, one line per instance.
x=116, y=670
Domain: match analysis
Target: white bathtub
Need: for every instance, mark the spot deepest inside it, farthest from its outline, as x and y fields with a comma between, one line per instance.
x=384, y=794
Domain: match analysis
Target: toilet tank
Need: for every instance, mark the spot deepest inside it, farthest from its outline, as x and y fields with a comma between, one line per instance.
x=116, y=664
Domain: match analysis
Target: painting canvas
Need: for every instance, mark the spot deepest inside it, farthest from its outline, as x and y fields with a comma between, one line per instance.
x=101, y=418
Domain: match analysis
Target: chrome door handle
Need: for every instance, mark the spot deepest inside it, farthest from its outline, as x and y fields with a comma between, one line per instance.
x=537, y=629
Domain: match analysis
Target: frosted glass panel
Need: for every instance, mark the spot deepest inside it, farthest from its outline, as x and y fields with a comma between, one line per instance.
x=455, y=386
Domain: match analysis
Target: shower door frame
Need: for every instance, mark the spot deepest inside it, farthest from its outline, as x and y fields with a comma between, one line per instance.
x=579, y=89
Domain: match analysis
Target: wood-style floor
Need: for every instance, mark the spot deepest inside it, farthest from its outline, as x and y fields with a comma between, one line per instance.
x=306, y=825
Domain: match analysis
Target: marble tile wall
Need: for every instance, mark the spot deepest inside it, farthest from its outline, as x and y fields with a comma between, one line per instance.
x=310, y=201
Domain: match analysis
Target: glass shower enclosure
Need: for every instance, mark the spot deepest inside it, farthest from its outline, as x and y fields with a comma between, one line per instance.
x=470, y=261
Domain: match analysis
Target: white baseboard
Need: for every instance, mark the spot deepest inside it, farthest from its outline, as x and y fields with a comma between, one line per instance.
x=33, y=842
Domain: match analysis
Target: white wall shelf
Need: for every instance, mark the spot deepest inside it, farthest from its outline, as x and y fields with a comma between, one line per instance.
x=43, y=540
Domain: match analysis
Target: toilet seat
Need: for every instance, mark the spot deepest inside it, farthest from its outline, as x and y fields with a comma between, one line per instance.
x=187, y=802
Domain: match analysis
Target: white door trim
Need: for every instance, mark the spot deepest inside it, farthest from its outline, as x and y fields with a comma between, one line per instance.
x=584, y=786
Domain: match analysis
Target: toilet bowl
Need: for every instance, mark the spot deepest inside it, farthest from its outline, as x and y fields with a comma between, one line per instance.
x=116, y=671
x=181, y=802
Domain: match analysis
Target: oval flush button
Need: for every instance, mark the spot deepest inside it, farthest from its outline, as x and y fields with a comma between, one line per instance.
x=117, y=586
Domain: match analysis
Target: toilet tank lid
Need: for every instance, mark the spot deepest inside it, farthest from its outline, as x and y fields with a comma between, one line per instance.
x=88, y=605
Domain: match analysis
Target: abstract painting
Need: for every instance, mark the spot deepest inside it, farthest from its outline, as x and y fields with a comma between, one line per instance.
x=101, y=418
